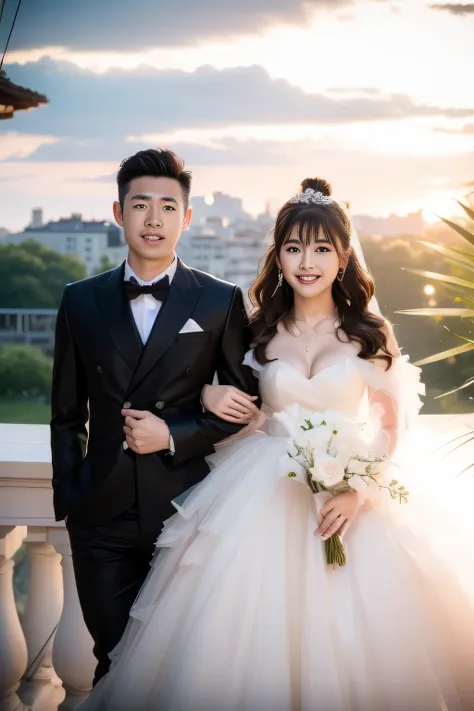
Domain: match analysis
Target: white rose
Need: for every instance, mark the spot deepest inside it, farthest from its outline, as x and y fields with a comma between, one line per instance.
x=316, y=418
x=328, y=470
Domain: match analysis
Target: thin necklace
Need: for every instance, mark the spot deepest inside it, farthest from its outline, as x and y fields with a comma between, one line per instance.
x=317, y=333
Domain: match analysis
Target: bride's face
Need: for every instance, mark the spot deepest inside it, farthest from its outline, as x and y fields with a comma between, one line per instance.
x=309, y=269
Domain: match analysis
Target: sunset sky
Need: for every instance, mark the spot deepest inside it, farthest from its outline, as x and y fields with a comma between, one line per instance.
x=375, y=95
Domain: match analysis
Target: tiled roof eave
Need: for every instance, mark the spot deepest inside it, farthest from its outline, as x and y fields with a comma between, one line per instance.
x=17, y=96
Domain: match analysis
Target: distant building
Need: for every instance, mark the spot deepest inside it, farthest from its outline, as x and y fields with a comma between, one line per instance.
x=91, y=241
x=36, y=218
x=228, y=251
x=228, y=243
x=392, y=226
x=244, y=251
x=203, y=247
x=217, y=205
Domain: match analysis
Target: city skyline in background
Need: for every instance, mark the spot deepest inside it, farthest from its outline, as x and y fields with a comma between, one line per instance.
x=373, y=95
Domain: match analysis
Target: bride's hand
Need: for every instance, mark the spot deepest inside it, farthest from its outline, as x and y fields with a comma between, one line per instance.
x=229, y=403
x=338, y=513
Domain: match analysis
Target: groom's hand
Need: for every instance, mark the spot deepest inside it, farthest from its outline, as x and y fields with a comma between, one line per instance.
x=145, y=433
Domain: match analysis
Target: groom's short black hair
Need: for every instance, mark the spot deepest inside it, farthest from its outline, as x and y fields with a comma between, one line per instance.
x=156, y=162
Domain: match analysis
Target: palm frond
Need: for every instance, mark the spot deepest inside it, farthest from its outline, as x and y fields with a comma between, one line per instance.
x=449, y=312
x=450, y=353
x=461, y=290
x=469, y=236
x=466, y=259
x=466, y=384
x=467, y=209
x=448, y=279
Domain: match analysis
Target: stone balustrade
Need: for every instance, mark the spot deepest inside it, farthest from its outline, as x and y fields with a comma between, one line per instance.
x=46, y=661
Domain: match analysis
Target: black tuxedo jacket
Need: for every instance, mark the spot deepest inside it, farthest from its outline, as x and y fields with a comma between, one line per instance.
x=100, y=364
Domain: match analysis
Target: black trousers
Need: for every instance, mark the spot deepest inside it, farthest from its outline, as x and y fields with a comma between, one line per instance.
x=111, y=562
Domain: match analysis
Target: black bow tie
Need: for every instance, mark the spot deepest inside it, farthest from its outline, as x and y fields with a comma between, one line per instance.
x=159, y=289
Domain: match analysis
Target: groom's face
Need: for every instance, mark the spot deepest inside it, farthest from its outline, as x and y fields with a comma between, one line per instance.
x=153, y=217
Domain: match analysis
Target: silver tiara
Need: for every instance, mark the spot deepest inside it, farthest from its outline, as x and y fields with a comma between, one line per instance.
x=312, y=196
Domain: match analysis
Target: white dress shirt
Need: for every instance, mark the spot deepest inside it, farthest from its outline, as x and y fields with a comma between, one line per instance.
x=145, y=309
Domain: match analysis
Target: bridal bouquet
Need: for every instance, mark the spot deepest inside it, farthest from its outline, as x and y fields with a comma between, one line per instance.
x=332, y=456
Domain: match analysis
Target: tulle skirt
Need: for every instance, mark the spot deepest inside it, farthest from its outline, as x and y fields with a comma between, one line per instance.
x=240, y=611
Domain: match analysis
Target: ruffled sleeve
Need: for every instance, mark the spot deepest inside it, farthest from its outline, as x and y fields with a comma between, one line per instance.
x=393, y=404
x=402, y=383
x=251, y=361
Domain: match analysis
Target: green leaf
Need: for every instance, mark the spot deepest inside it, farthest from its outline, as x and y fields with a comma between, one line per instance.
x=460, y=230
x=442, y=277
x=458, y=255
x=461, y=444
x=458, y=264
x=468, y=302
x=462, y=312
x=464, y=338
x=457, y=292
x=467, y=210
x=462, y=252
x=467, y=384
x=452, y=352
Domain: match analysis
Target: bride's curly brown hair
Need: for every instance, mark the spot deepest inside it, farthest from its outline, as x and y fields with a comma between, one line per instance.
x=351, y=295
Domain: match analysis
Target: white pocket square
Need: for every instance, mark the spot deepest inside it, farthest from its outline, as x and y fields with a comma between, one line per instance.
x=191, y=327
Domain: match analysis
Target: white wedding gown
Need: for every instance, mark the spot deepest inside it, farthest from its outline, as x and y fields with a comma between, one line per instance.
x=240, y=611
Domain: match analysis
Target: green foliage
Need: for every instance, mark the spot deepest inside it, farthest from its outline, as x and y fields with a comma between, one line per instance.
x=24, y=371
x=460, y=285
x=34, y=276
x=25, y=410
x=105, y=265
x=392, y=262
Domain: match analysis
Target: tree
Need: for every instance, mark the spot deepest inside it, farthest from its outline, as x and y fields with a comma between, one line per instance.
x=105, y=265
x=34, y=276
x=24, y=370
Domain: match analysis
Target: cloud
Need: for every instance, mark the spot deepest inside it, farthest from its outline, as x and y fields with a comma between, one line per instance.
x=15, y=145
x=369, y=90
x=95, y=179
x=17, y=178
x=90, y=115
x=227, y=152
x=455, y=8
x=124, y=26
x=467, y=130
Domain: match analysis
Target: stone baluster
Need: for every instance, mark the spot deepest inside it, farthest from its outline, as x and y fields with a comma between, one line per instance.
x=13, y=651
x=72, y=649
x=42, y=612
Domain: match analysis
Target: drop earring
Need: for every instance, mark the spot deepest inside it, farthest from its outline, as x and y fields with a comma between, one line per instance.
x=340, y=274
x=279, y=282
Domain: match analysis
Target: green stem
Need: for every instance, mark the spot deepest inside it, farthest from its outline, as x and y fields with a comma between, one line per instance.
x=335, y=554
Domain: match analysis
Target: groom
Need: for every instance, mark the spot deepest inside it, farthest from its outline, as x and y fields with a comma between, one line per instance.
x=138, y=342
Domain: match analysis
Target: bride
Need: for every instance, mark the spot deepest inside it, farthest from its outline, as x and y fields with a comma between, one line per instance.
x=240, y=611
